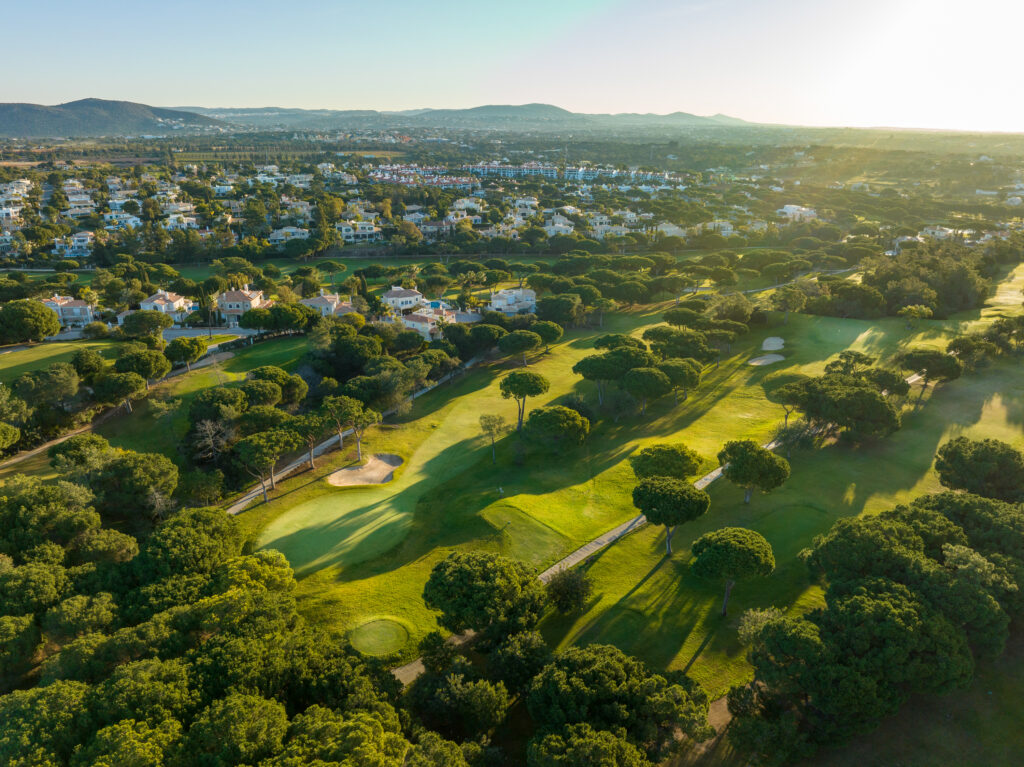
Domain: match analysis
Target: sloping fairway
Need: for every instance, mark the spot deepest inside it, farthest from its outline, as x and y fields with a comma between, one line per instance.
x=681, y=625
x=369, y=550
x=343, y=527
x=366, y=552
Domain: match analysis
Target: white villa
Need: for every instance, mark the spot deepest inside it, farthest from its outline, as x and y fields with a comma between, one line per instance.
x=513, y=301
x=286, y=233
x=358, y=231
x=401, y=299
x=73, y=312
x=328, y=304
x=797, y=213
x=167, y=303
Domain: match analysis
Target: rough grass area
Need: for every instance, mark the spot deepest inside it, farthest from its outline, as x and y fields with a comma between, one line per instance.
x=145, y=432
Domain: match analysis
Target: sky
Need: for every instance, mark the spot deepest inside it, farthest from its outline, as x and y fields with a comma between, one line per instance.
x=901, y=63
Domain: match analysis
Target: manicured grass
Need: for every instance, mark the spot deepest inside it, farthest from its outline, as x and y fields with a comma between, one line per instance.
x=367, y=551
x=655, y=609
x=380, y=636
x=38, y=356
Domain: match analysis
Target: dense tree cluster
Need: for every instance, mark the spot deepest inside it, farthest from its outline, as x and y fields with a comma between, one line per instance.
x=584, y=702
x=852, y=397
x=914, y=597
x=176, y=650
x=935, y=280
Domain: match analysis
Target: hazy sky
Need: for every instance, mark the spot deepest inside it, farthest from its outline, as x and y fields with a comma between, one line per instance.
x=913, y=63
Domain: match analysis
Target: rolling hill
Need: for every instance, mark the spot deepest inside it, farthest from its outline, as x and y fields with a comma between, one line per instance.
x=97, y=117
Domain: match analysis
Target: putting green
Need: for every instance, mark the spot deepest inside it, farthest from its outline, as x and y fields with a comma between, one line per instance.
x=380, y=636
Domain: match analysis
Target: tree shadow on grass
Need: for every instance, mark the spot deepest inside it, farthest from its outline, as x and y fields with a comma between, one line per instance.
x=473, y=380
x=442, y=510
x=667, y=616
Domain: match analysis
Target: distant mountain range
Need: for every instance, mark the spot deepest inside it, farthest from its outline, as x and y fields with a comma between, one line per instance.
x=97, y=117
x=528, y=117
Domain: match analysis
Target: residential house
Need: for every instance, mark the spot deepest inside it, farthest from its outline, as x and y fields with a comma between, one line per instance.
x=428, y=320
x=232, y=304
x=116, y=220
x=797, y=213
x=286, y=233
x=299, y=210
x=513, y=301
x=328, y=304
x=401, y=300
x=552, y=229
x=78, y=245
x=671, y=230
x=78, y=212
x=603, y=230
x=73, y=312
x=724, y=228
x=427, y=325
x=937, y=232
x=358, y=231
x=166, y=302
x=180, y=222
x=9, y=216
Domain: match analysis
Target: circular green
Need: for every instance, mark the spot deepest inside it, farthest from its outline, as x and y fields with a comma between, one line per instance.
x=381, y=636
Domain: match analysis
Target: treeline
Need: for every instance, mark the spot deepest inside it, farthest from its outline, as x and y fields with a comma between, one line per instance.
x=932, y=280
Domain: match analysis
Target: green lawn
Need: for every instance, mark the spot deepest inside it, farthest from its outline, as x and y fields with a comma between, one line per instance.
x=364, y=553
x=38, y=356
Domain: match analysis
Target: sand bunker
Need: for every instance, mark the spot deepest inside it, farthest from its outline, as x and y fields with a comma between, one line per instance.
x=377, y=470
x=766, y=359
x=773, y=344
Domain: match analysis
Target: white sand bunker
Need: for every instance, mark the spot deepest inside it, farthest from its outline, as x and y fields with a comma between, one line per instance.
x=766, y=359
x=773, y=344
x=377, y=470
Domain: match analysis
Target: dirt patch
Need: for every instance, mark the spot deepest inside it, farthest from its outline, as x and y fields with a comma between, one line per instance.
x=377, y=470
x=765, y=359
x=773, y=344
